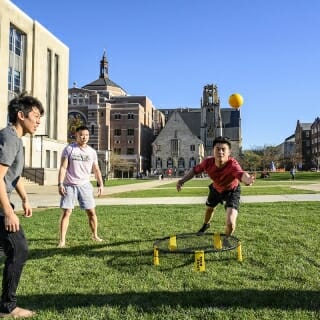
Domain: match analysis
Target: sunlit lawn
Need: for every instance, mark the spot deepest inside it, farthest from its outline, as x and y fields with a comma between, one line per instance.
x=278, y=183
x=278, y=278
x=116, y=279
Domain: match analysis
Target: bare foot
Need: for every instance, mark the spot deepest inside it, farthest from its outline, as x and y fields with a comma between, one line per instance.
x=61, y=245
x=97, y=239
x=18, y=313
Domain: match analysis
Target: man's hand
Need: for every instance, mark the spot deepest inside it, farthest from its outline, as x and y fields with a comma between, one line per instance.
x=100, y=191
x=247, y=179
x=11, y=223
x=27, y=209
x=179, y=185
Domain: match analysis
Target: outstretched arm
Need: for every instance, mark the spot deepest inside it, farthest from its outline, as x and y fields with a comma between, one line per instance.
x=184, y=179
x=248, y=179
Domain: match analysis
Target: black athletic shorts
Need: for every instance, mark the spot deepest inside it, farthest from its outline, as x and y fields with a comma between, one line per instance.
x=230, y=197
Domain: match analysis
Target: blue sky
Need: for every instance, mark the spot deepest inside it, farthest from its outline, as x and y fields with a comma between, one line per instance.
x=268, y=51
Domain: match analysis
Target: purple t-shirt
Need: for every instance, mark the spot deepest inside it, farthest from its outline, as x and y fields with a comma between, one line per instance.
x=80, y=163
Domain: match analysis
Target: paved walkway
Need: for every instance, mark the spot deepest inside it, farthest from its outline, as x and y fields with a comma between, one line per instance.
x=48, y=197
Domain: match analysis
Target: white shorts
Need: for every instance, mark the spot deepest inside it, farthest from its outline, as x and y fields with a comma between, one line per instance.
x=83, y=193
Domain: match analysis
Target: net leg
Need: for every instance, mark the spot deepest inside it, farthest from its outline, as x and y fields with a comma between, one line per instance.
x=156, y=261
x=239, y=253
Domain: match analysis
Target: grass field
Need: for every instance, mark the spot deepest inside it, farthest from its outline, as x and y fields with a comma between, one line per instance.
x=278, y=183
x=116, y=279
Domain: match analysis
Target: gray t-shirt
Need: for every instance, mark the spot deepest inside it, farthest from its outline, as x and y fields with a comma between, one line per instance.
x=11, y=155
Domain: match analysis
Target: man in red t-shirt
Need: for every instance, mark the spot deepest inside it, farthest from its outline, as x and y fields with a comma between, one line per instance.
x=226, y=174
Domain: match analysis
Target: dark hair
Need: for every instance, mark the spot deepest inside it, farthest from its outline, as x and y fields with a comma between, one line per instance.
x=81, y=128
x=221, y=140
x=23, y=103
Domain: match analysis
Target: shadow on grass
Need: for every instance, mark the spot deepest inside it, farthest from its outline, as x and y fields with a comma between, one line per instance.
x=151, y=301
x=96, y=249
x=122, y=260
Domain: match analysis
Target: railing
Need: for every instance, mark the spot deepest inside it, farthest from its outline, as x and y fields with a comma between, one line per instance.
x=34, y=174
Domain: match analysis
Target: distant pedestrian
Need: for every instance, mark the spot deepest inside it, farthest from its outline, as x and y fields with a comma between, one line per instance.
x=293, y=173
x=77, y=162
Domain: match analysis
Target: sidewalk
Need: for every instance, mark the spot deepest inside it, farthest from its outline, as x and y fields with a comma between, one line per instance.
x=48, y=196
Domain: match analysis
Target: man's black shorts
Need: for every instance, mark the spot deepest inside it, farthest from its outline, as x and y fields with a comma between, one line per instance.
x=231, y=197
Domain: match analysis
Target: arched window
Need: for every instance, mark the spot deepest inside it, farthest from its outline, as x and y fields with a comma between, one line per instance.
x=158, y=163
x=169, y=163
x=192, y=162
x=181, y=163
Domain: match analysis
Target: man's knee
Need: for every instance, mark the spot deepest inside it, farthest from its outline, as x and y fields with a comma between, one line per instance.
x=91, y=212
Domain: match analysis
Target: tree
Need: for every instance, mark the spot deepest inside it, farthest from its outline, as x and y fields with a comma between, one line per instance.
x=121, y=167
x=250, y=160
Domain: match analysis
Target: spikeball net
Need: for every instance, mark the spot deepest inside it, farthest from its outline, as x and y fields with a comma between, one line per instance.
x=193, y=243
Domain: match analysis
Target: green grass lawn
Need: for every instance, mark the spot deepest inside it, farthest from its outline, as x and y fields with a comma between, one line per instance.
x=278, y=183
x=116, y=279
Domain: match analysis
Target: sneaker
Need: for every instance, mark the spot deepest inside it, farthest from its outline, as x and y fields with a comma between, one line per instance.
x=205, y=227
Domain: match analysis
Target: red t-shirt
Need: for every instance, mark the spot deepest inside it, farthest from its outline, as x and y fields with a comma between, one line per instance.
x=224, y=178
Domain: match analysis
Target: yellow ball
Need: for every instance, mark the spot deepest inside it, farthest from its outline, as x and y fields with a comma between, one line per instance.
x=235, y=100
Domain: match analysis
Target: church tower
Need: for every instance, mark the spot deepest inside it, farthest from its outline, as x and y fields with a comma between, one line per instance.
x=211, y=121
x=104, y=66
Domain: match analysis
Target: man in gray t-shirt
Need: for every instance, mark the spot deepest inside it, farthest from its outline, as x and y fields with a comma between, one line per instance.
x=11, y=155
x=24, y=113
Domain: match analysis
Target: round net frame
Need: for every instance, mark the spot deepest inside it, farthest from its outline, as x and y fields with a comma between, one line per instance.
x=191, y=242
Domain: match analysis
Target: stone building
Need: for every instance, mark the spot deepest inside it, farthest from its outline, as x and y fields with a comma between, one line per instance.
x=178, y=146
x=122, y=126
x=303, y=145
x=189, y=132
x=34, y=60
x=315, y=143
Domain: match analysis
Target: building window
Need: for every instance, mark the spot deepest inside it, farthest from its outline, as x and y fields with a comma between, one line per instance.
x=169, y=163
x=117, y=132
x=47, y=165
x=174, y=143
x=158, y=163
x=130, y=132
x=117, y=150
x=130, y=151
x=17, y=81
x=55, y=159
x=92, y=129
x=192, y=162
x=130, y=141
x=180, y=163
x=117, y=142
x=16, y=68
x=130, y=116
x=16, y=41
x=192, y=147
x=117, y=116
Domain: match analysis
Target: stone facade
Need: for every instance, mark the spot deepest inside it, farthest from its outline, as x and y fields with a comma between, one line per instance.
x=315, y=143
x=303, y=146
x=176, y=147
x=34, y=60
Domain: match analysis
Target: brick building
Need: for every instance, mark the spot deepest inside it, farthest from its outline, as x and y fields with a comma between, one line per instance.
x=122, y=127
